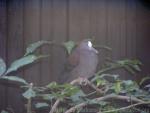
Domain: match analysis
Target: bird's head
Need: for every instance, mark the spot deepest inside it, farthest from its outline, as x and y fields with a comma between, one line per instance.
x=87, y=45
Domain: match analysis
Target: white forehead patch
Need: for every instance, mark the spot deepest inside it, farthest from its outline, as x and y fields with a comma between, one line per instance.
x=89, y=44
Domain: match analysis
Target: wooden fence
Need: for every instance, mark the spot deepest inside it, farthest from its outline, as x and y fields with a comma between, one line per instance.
x=122, y=25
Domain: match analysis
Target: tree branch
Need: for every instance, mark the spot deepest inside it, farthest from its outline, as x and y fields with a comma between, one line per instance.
x=127, y=107
x=81, y=105
x=111, y=96
x=54, y=107
x=94, y=87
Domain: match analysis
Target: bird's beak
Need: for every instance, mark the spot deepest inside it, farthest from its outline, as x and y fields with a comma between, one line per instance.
x=93, y=49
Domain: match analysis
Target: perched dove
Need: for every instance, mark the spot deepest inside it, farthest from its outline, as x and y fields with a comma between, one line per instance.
x=83, y=60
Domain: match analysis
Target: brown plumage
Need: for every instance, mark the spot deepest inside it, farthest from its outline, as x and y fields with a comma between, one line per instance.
x=84, y=60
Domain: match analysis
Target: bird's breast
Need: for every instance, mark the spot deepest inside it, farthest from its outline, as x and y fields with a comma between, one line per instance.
x=87, y=65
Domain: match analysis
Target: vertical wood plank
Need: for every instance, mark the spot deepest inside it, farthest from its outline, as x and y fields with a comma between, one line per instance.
x=122, y=25
x=15, y=49
x=79, y=19
x=131, y=28
x=116, y=29
x=142, y=37
x=59, y=36
x=46, y=34
x=98, y=26
x=32, y=34
x=3, y=39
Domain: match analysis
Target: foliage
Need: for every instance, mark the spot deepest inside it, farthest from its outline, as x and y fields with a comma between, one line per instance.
x=2, y=67
x=69, y=46
x=29, y=58
x=23, y=61
x=33, y=47
x=41, y=105
x=109, y=85
x=3, y=111
x=15, y=79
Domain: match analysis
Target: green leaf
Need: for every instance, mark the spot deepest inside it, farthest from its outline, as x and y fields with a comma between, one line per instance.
x=103, y=103
x=52, y=85
x=41, y=105
x=47, y=97
x=2, y=66
x=128, y=61
x=136, y=62
x=136, y=67
x=76, y=98
x=3, y=111
x=14, y=79
x=144, y=112
x=117, y=86
x=34, y=46
x=70, y=91
x=69, y=46
x=30, y=93
x=65, y=91
x=100, y=82
x=129, y=69
x=93, y=101
x=67, y=86
x=58, y=95
x=130, y=65
x=129, y=85
x=103, y=47
x=23, y=62
x=144, y=79
x=128, y=82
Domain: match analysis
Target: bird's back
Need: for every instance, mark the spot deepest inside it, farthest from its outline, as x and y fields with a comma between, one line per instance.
x=84, y=60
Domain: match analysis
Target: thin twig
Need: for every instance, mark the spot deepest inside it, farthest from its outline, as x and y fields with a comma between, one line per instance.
x=73, y=109
x=94, y=87
x=111, y=96
x=123, y=108
x=54, y=107
x=78, y=81
x=29, y=108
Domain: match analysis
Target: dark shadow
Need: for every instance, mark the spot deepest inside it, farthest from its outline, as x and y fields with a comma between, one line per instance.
x=145, y=3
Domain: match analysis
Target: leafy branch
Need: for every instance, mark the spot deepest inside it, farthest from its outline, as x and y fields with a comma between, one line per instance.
x=106, y=85
x=111, y=96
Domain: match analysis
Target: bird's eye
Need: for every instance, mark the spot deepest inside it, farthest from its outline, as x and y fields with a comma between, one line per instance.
x=89, y=44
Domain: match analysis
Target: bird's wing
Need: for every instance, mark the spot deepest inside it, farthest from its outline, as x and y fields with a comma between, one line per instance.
x=71, y=64
x=74, y=58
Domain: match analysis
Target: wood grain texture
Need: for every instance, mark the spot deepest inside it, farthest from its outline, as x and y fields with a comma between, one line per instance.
x=116, y=31
x=131, y=23
x=122, y=25
x=79, y=10
x=59, y=36
x=15, y=50
x=3, y=48
x=116, y=27
x=142, y=36
x=46, y=34
x=32, y=34
x=98, y=27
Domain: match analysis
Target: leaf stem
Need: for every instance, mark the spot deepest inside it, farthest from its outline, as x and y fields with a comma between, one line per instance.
x=29, y=103
x=127, y=107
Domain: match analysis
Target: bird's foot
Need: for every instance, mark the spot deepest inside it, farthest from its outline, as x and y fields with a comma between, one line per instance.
x=80, y=81
x=83, y=81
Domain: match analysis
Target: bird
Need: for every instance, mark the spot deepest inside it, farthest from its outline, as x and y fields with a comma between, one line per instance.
x=83, y=61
